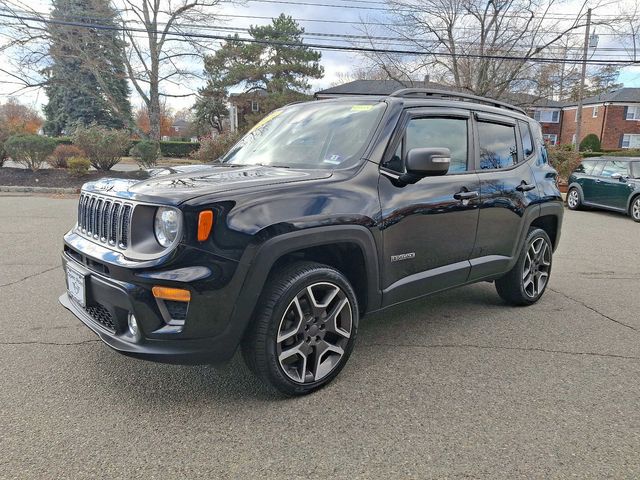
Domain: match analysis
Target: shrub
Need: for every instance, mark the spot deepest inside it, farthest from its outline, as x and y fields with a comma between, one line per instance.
x=104, y=147
x=590, y=143
x=178, y=149
x=564, y=160
x=78, y=166
x=62, y=154
x=213, y=148
x=146, y=153
x=29, y=150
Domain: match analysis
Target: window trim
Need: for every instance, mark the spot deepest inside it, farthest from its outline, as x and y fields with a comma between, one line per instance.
x=553, y=111
x=533, y=144
x=412, y=113
x=594, y=114
x=554, y=135
x=257, y=108
x=628, y=147
x=636, y=114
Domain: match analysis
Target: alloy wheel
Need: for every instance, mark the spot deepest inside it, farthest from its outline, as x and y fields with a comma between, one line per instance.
x=573, y=199
x=635, y=211
x=537, y=266
x=314, y=332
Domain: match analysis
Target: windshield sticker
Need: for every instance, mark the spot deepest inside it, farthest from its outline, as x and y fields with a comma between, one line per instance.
x=266, y=119
x=333, y=160
x=361, y=108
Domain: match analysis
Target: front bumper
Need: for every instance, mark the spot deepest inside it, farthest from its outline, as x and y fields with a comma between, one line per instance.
x=209, y=335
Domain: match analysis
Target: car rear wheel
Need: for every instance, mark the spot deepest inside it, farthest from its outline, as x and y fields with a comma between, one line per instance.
x=304, y=329
x=527, y=280
x=573, y=199
x=635, y=209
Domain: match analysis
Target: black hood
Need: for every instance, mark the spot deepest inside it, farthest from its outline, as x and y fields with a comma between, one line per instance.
x=175, y=185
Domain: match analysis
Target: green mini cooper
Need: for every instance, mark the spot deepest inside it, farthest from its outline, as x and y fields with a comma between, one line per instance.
x=612, y=183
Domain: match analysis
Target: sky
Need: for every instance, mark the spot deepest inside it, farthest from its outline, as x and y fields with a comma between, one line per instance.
x=334, y=63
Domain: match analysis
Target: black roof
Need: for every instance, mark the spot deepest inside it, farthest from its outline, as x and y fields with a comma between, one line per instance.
x=621, y=95
x=377, y=87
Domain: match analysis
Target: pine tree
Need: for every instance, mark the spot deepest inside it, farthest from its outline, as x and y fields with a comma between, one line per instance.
x=278, y=64
x=87, y=82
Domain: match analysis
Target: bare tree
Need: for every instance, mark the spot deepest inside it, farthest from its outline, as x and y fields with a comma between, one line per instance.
x=159, y=53
x=484, y=47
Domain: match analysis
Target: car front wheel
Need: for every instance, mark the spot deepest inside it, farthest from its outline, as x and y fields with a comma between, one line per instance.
x=527, y=280
x=635, y=209
x=304, y=329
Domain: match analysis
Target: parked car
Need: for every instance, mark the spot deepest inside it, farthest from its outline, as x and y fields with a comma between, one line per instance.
x=611, y=183
x=324, y=212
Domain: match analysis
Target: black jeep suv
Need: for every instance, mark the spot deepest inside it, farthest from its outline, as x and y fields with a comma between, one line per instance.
x=323, y=212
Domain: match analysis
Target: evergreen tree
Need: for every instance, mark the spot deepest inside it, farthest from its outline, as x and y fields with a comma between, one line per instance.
x=87, y=82
x=279, y=65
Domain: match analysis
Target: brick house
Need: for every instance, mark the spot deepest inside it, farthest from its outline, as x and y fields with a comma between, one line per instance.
x=614, y=117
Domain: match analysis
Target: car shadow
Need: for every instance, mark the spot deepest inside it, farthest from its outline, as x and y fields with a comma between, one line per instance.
x=144, y=382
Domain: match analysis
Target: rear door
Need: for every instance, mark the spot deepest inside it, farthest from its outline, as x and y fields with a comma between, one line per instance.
x=613, y=192
x=507, y=188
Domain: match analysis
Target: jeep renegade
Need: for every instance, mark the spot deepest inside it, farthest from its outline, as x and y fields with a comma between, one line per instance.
x=323, y=212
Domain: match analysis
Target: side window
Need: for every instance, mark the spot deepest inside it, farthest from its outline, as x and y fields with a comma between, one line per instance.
x=585, y=167
x=635, y=169
x=527, y=142
x=597, y=170
x=497, y=145
x=615, y=167
x=435, y=132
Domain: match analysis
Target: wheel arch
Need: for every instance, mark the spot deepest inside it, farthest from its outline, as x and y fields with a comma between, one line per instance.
x=337, y=246
x=635, y=194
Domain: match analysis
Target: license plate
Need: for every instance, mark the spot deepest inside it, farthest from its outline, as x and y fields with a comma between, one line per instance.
x=75, y=286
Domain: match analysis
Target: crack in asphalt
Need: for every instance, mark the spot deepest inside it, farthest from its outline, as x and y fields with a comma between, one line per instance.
x=497, y=347
x=35, y=342
x=30, y=276
x=588, y=307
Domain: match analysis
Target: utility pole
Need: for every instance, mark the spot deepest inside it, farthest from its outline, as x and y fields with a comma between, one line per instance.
x=582, y=77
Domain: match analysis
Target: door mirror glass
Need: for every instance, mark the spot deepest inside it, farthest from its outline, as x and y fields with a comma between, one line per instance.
x=424, y=162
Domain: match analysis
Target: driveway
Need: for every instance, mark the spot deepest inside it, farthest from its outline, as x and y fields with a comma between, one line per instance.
x=454, y=386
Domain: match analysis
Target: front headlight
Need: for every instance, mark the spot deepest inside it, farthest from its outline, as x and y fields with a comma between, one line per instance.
x=166, y=225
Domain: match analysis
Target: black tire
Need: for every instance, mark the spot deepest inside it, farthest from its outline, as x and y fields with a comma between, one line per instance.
x=519, y=288
x=286, y=301
x=574, y=199
x=634, y=209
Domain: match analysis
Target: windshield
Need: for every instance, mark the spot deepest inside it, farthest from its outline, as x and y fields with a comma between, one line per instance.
x=310, y=135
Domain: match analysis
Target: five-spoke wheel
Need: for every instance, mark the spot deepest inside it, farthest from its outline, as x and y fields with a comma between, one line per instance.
x=525, y=283
x=305, y=328
x=314, y=331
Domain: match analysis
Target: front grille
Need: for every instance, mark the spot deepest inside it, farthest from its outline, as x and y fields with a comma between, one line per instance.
x=105, y=220
x=101, y=315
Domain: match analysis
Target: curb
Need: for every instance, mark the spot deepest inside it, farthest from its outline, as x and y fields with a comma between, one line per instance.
x=19, y=189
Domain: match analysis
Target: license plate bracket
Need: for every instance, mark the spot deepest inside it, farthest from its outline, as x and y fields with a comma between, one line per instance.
x=76, y=286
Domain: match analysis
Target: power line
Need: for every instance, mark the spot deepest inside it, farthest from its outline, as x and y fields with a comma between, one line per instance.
x=358, y=49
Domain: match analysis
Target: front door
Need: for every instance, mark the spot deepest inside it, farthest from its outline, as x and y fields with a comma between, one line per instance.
x=429, y=227
x=614, y=192
x=592, y=182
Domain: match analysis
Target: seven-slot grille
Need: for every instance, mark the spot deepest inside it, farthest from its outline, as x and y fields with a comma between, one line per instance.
x=105, y=219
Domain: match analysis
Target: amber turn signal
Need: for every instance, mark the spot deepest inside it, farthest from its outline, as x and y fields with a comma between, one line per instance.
x=205, y=222
x=173, y=294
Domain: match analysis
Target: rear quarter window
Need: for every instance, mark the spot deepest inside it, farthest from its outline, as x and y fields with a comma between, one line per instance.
x=635, y=169
x=586, y=167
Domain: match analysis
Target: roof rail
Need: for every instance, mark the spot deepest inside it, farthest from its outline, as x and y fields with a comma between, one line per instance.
x=427, y=92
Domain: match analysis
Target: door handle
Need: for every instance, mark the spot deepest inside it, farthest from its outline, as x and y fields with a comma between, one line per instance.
x=525, y=187
x=598, y=180
x=465, y=194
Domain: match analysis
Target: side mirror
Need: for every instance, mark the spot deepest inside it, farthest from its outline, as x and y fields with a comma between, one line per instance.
x=428, y=162
x=618, y=176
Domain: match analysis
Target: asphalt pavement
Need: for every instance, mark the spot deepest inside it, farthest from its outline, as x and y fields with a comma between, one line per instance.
x=457, y=385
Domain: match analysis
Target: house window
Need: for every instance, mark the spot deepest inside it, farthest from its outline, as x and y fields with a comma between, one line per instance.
x=550, y=138
x=630, y=140
x=255, y=106
x=595, y=111
x=546, y=116
x=632, y=113
x=573, y=139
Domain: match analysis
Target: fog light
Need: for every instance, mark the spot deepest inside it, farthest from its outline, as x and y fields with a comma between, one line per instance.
x=133, y=325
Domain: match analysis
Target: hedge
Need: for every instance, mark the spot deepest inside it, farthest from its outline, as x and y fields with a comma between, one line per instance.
x=175, y=149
